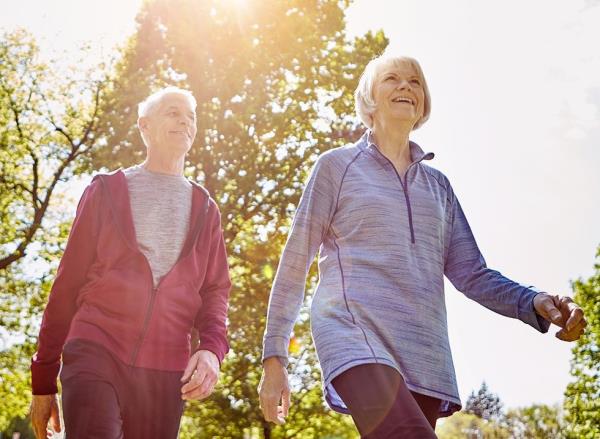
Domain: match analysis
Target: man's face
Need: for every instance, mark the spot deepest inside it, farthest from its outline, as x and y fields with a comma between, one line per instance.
x=171, y=125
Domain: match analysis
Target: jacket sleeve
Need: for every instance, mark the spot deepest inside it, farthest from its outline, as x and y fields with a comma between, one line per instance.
x=468, y=272
x=72, y=273
x=211, y=321
x=309, y=226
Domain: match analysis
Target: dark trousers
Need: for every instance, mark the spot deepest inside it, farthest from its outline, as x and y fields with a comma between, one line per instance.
x=104, y=398
x=383, y=407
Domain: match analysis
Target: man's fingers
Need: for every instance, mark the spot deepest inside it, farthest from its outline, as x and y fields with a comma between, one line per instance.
x=198, y=394
x=39, y=434
x=39, y=423
x=208, y=385
x=196, y=381
x=41, y=431
x=55, y=416
x=189, y=370
x=201, y=391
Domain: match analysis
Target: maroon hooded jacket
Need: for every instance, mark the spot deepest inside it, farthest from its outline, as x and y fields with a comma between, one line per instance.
x=104, y=292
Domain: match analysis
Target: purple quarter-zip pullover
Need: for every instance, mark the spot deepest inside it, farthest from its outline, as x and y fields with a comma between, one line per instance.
x=385, y=243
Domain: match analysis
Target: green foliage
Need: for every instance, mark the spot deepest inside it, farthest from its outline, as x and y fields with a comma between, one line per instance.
x=484, y=404
x=538, y=421
x=582, y=396
x=48, y=118
x=463, y=425
x=274, y=82
x=14, y=385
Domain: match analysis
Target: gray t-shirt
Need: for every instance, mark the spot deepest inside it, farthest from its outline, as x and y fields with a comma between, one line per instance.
x=161, y=207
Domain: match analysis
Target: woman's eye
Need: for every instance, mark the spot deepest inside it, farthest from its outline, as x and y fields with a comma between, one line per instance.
x=390, y=78
x=415, y=82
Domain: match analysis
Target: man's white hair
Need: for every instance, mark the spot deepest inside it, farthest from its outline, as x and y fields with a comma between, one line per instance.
x=146, y=107
x=364, y=102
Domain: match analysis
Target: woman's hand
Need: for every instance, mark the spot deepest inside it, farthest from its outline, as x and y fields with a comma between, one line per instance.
x=563, y=312
x=273, y=389
x=44, y=408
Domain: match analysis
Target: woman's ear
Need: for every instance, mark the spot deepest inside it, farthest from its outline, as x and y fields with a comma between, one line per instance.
x=142, y=123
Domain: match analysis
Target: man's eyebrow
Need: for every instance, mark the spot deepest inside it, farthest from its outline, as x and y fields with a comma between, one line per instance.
x=176, y=108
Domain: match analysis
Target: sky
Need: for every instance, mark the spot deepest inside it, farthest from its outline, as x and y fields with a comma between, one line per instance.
x=515, y=126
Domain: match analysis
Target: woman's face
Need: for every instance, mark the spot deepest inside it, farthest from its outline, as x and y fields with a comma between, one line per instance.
x=398, y=93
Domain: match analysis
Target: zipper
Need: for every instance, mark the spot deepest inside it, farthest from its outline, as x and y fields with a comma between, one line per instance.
x=149, y=310
x=154, y=290
x=145, y=327
x=405, y=190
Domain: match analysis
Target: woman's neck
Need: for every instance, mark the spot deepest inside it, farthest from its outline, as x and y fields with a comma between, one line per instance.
x=393, y=142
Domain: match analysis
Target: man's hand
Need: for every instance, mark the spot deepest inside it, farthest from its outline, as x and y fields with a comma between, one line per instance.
x=200, y=375
x=273, y=388
x=563, y=312
x=44, y=408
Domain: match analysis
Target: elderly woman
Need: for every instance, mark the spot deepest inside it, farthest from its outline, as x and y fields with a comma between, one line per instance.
x=389, y=227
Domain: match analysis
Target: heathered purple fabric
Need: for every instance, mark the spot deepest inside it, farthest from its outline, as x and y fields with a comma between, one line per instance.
x=380, y=296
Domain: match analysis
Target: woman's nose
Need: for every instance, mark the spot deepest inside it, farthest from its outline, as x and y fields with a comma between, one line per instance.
x=403, y=84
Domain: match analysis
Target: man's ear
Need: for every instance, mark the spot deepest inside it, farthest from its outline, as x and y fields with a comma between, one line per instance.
x=143, y=123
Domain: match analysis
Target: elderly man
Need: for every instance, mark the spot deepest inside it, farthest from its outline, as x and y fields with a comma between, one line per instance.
x=145, y=263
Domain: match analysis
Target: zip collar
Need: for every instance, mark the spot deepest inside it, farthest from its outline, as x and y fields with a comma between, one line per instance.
x=417, y=155
x=115, y=186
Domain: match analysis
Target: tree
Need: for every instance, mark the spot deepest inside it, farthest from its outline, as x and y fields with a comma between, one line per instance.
x=538, y=421
x=582, y=396
x=463, y=425
x=48, y=118
x=274, y=82
x=484, y=404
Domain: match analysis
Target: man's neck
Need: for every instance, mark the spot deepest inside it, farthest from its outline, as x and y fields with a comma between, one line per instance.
x=164, y=165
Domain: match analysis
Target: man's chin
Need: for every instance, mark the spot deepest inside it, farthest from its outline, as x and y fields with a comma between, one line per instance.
x=180, y=146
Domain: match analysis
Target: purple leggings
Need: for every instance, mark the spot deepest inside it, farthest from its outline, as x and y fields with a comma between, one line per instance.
x=104, y=398
x=382, y=406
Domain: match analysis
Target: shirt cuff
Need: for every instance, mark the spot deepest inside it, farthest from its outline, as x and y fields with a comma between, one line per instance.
x=276, y=346
x=43, y=378
x=527, y=312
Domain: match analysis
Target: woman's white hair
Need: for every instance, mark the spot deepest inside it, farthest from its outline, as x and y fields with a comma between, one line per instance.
x=363, y=96
x=146, y=107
